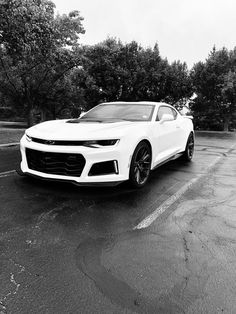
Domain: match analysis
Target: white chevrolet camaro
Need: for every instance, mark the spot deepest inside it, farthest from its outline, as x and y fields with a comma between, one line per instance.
x=111, y=143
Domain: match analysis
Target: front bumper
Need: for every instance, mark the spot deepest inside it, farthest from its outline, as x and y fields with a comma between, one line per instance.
x=92, y=156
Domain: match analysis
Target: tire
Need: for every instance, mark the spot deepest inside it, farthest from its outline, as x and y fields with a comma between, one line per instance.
x=140, y=166
x=189, y=149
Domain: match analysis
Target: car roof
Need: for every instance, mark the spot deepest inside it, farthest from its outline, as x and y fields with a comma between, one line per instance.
x=153, y=103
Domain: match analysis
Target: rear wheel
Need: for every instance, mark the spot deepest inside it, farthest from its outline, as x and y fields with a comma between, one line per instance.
x=140, y=166
x=189, y=150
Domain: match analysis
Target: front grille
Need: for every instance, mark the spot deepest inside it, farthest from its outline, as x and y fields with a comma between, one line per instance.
x=65, y=164
x=71, y=143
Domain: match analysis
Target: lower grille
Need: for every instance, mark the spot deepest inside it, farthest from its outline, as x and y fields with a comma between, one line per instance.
x=55, y=163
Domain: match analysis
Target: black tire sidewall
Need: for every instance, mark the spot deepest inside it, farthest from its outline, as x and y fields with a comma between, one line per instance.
x=132, y=180
x=187, y=157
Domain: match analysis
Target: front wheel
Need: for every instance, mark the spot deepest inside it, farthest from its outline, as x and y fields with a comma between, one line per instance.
x=140, y=166
x=189, y=149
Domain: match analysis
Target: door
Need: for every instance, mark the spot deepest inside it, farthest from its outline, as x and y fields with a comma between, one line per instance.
x=166, y=134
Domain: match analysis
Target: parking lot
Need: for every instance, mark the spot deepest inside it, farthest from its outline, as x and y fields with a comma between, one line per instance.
x=167, y=248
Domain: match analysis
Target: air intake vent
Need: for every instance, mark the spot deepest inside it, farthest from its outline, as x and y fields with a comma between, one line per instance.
x=55, y=163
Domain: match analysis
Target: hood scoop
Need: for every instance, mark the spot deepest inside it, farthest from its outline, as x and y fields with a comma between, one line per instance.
x=94, y=121
x=83, y=121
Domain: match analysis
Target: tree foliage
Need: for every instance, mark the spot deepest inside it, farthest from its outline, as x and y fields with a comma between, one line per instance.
x=130, y=72
x=214, y=82
x=43, y=67
x=37, y=52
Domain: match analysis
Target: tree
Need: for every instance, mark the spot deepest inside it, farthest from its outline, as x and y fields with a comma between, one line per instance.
x=228, y=90
x=178, y=85
x=145, y=73
x=129, y=72
x=214, y=83
x=37, y=53
x=103, y=72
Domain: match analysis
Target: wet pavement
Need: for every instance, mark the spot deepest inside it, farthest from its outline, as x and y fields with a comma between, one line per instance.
x=68, y=249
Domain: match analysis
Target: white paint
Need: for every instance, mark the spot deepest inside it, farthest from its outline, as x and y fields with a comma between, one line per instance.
x=7, y=173
x=17, y=285
x=3, y=301
x=9, y=144
x=173, y=198
x=22, y=268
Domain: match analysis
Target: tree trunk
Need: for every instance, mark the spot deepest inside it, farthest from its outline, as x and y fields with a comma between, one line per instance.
x=43, y=115
x=30, y=117
x=30, y=108
x=226, y=123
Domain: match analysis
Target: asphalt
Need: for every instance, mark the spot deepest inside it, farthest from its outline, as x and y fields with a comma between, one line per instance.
x=9, y=158
x=66, y=249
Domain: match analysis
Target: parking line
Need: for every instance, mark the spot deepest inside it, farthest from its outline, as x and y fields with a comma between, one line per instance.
x=146, y=222
x=9, y=144
x=7, y=173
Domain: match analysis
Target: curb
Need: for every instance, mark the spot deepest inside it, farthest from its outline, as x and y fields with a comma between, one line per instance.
x=214, y=132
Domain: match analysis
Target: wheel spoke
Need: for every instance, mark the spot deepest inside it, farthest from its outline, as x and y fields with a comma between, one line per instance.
x=144, y=158
x=146, y=163
x=140, y=154
x=143, y=172
x=137, y=175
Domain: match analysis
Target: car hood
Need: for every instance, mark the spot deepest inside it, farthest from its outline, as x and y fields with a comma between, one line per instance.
x=69, y=130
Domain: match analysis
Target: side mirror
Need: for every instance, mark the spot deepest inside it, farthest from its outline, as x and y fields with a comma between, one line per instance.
x=82, y=114
x=166, y=117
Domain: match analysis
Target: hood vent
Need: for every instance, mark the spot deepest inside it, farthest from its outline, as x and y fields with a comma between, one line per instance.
x=108, y=120
x=84, y=121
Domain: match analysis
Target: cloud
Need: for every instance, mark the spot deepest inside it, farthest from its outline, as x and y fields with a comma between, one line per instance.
x=184, y=29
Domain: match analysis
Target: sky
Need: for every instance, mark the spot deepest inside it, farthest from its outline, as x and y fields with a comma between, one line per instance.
x=184, y=30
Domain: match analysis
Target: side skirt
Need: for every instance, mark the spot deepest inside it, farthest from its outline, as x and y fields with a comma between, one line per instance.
x=167, y=160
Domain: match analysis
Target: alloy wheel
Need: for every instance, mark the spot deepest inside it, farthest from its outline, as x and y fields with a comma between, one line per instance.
x=140, y=165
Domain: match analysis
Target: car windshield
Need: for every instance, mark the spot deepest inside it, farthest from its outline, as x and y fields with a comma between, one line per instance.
x=130, y=112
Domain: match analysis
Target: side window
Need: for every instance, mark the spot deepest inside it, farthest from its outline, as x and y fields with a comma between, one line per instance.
x=164, y=110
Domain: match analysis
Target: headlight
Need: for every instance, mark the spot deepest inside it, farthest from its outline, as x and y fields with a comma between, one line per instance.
x=100, y=143
x=29, y=138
